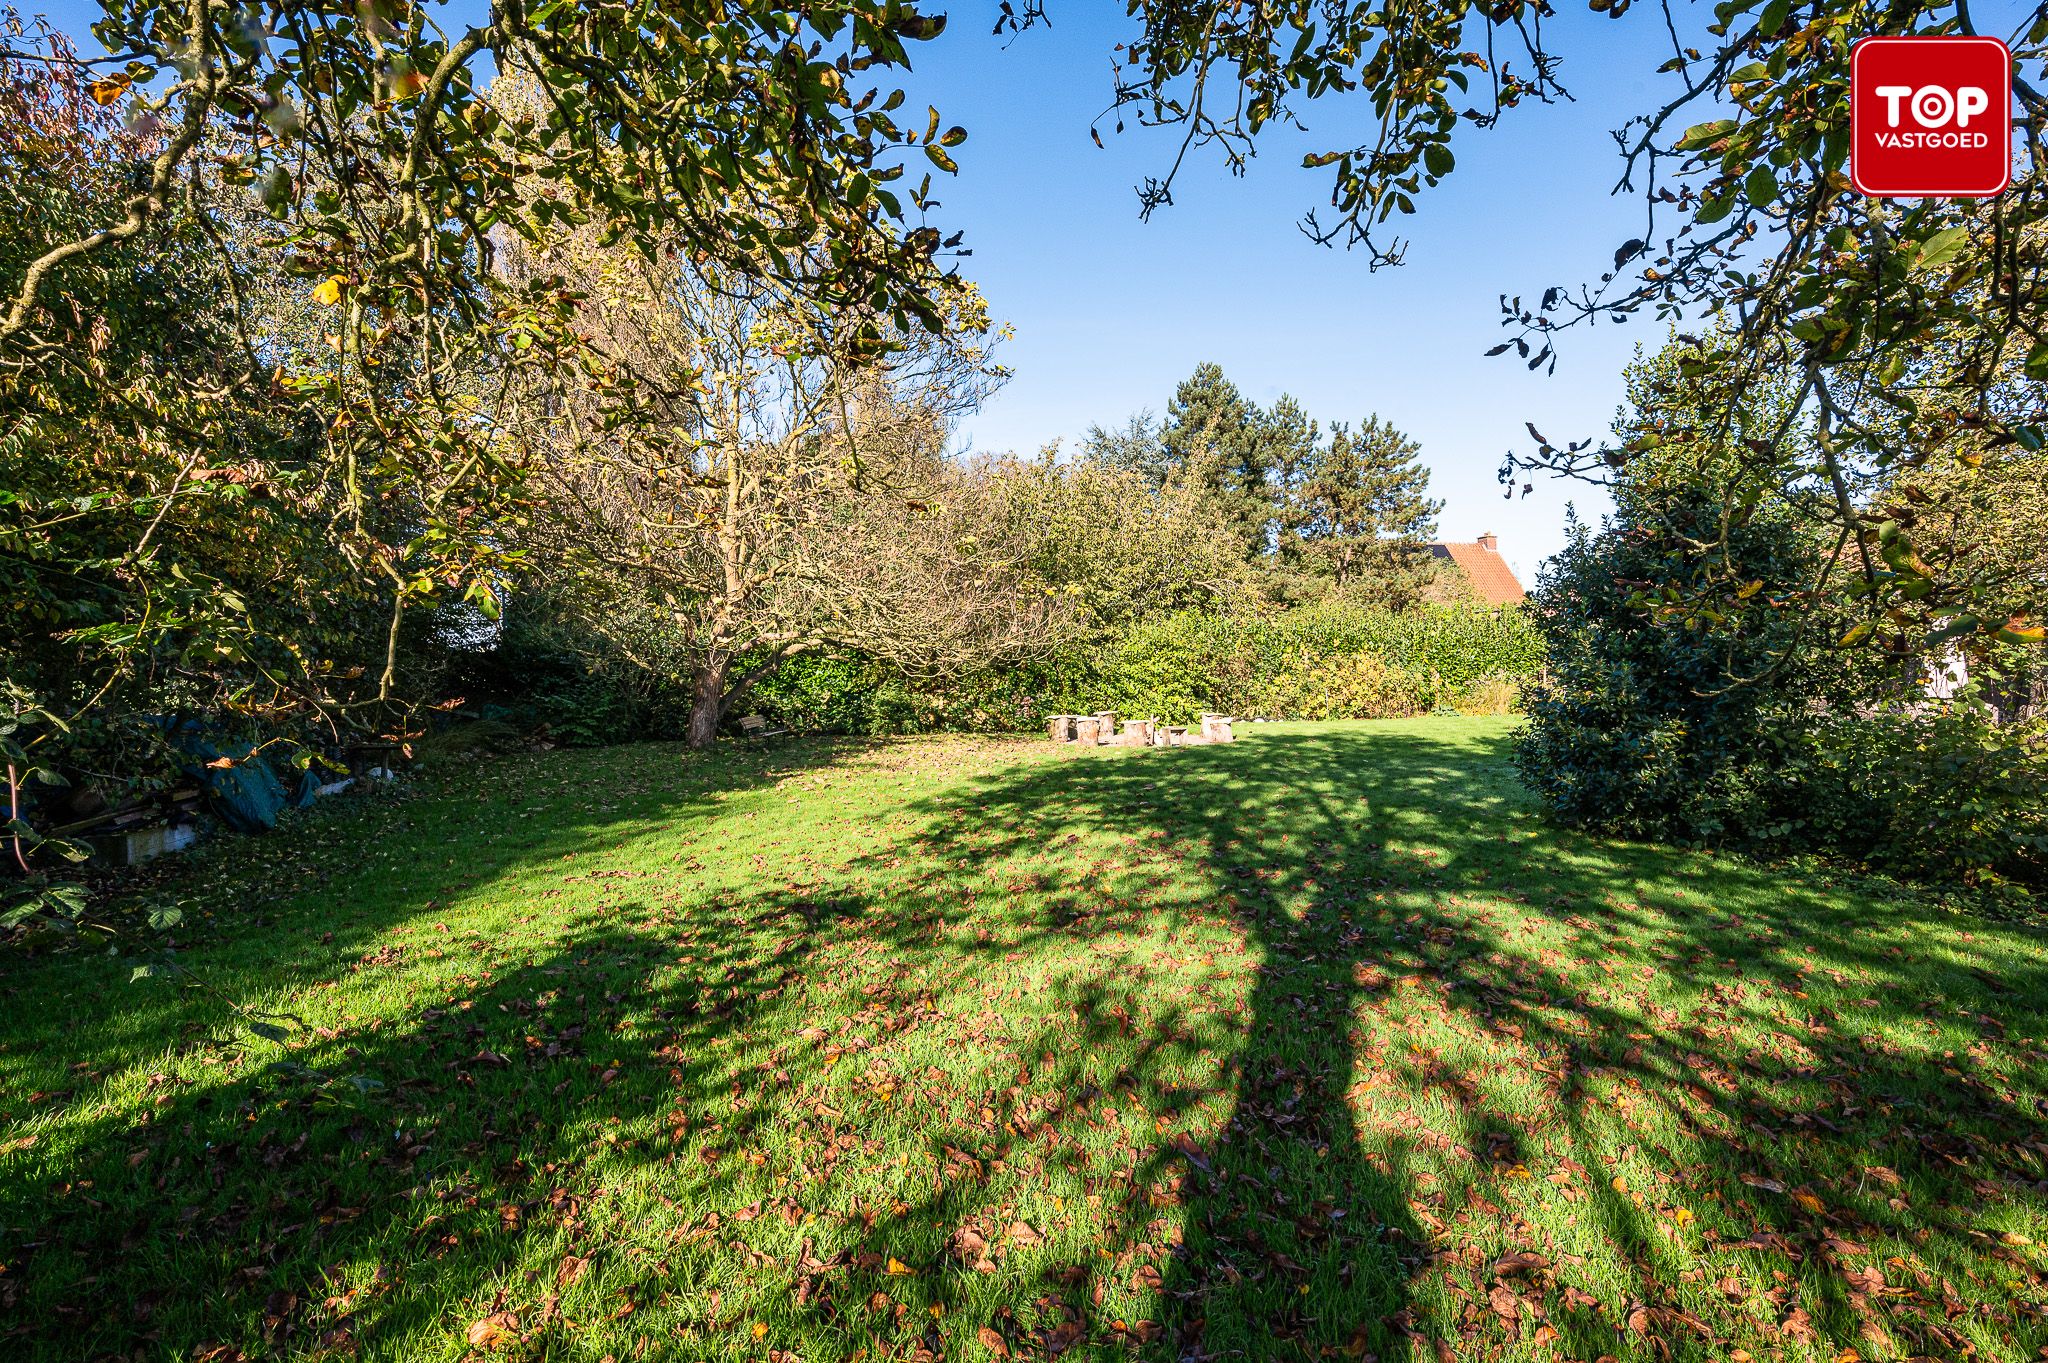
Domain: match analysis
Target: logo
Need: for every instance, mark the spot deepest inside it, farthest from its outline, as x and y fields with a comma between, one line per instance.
x=1930, y=118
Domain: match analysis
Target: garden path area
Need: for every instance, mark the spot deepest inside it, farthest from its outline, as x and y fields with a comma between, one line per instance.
x=1320, y=1044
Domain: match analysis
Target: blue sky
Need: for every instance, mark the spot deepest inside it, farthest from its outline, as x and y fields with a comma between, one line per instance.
x=1110, y=313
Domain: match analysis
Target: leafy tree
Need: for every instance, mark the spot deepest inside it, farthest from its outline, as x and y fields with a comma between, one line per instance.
x=1902, y=327
x=146, y=569
x=387, y=186
x=1135, y=447
x=740, y=484
x=1123, y=548
x=1656, y=721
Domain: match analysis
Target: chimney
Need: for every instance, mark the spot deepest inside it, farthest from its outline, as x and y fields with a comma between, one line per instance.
x=1490, y=542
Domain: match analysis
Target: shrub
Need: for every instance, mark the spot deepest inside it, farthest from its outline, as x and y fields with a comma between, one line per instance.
x=1348, y=686
x=1937, y=792
x=1188, y=663
x=1662, y=716
x=1496, y=695
x=1320, y=662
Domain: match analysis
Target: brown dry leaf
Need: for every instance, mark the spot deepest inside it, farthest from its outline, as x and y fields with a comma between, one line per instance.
x=1522, y=1261
x=1809, y=1201
x=499, y=1327
x=970, y=1247
x=1023, y=1234
x=572, y=1268
x=993, y=1342
x=1769, y=1185
x=1505, y=1303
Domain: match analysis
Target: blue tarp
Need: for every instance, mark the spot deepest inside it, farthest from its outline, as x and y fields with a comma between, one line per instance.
x=246, y=795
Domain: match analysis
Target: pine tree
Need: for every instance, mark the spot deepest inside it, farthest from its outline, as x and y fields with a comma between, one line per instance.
x=1135, y=446
x=1217, y=439
x=1361, y=514
x=1289, y=441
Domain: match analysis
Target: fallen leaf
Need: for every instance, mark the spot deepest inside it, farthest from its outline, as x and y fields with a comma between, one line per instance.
x=500, y=1327
x=1523, y=1261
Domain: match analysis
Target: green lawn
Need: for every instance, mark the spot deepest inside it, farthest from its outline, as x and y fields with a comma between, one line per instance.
x=1318, y=1045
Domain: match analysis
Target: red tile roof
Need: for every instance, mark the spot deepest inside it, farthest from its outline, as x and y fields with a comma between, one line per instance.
x=1485, y=569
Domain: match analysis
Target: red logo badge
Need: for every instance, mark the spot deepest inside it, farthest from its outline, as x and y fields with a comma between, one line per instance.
x=1930, y=118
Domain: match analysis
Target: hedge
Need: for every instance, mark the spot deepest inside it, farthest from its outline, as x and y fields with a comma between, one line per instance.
x=1317, y=663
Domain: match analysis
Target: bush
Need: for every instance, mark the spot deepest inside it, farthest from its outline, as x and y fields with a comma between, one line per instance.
x=1495, y=695
x=1333, y=662
x=1300, y=665
x=1348, y=686
x=1935, y=792
x=1663, y=715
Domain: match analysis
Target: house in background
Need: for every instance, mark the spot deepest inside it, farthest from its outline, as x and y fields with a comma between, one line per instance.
x=1493, y=582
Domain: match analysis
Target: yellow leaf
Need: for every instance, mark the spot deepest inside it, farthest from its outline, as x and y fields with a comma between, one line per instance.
x=1620, y=1184
x=107, y=89
x=1808, y=1201
x=898, y=1269
x=1682, y=1216
x=329, y=290
x=760, y=1329
x=2013, y=1237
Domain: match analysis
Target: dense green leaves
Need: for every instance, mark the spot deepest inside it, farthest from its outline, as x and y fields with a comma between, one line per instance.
x=1658, y=716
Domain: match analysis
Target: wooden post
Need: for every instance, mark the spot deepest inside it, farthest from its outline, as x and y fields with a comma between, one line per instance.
x=1088, y=730
x=1060, y=728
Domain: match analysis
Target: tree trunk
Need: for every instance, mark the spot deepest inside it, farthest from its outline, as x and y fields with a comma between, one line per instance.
x=707, y=705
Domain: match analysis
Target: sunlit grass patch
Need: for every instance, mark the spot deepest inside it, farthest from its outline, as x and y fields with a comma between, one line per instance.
x=1319, y=1044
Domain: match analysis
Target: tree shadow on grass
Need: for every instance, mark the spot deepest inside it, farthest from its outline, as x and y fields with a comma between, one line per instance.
x=1316, y=1045
x=1792, y=1116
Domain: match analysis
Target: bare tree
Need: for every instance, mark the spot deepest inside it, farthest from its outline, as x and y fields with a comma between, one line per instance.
x=764, y=476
